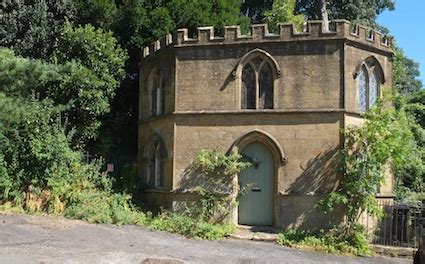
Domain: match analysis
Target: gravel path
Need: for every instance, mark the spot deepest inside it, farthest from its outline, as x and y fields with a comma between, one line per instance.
x=41, y=239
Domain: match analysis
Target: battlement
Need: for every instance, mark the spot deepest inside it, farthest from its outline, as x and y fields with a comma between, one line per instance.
x=312, y=30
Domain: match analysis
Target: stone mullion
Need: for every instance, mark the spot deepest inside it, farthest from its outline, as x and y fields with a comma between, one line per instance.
x=257, y=89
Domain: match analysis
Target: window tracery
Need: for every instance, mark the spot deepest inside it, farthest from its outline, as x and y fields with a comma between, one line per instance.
x=157, y=94
x=156, y=158
x=368, y=84
x=257, y=85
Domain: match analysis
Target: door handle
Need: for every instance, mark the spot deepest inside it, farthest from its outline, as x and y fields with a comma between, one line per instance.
x=256, y=189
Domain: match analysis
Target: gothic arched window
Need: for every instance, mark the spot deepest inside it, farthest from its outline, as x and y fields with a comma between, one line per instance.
x=368, y=84
x=157, y=94
x=266, y=87
x=156, y=158
x=373, y=88
x=248, y=87
x=257, y=85
x=363, y=83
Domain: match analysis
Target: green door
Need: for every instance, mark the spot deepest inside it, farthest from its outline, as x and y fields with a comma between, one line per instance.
x=256, y=182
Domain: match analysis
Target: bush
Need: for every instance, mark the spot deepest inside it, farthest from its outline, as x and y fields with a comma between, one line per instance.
x=190, y=227
x=354, y=243
x=39, y=172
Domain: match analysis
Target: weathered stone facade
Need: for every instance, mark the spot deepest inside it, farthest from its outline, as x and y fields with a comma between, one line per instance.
x=315, y=94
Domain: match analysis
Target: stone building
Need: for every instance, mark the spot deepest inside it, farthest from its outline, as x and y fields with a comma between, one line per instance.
x=281, y=98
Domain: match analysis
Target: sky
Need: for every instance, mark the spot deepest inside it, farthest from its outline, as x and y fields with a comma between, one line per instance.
x=406, y=24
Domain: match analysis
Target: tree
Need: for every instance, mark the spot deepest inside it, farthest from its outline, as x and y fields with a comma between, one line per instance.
x=98, y=13
x=356, y=11
x=217, y=13
x=386, y=139
x=405, y=72
x=84, y=82
x=283, y=11
x=254, y=9
x=410, y=178
x=324, y=15
x=30, y=27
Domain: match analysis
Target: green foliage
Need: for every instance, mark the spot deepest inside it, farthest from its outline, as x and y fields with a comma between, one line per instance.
x=190, y=227
x=84, y=84
x=356, y=11
x=30, y=27
x=216, y=191
x=410, y=179
x=95, y=49
x=39, y=172
x=283, y=11
x=214, y=161
x=99, y=13
x=405, y=72
x=385, y=140
x=254, y=9
x=355, y=243
x=217, y=13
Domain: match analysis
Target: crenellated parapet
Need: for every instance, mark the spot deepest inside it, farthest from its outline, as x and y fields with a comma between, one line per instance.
x=156, y=45
x=312, y=30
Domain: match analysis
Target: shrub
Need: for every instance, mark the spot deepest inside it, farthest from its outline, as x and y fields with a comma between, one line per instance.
x=354, y=243
x=39, y=172
x=190, y=227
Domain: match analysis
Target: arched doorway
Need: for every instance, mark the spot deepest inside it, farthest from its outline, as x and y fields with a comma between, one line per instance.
x=257, y=184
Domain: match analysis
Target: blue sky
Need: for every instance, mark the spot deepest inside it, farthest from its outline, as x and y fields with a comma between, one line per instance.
x=406, y=24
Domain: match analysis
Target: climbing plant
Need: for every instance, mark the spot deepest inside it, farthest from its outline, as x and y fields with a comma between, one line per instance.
x=217, y=191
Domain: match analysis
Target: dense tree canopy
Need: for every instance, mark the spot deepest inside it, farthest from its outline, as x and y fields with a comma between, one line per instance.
x=282, y=10
x=84, y=82
x=358, y=11
x=406, y=72
x=30, y=27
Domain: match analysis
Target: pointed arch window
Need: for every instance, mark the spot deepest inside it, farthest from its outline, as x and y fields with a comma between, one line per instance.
x=248, y=87
x=157, y=94
x=368, y=85
x=266, y=87
x=156, y=158
x=363, y=83
x=373, y=88
x=257, y=85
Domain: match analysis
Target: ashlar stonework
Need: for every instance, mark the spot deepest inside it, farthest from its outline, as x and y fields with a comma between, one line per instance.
x=282, y=97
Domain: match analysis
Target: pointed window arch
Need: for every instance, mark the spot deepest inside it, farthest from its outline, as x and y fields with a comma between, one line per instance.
x=362, y=83
x=373, y=88
x=157, y=93
x=266, y=87
x=248, y=87
x=258, y=73
x=156, y=159
x=369, y=78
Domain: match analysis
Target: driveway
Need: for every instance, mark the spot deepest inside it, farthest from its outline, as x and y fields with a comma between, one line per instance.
x=42, y=239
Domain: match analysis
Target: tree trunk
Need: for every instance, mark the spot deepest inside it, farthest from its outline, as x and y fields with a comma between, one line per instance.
x=325, y=19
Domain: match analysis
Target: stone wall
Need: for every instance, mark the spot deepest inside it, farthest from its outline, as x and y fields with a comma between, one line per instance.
x=310, y=141
x=165, y=63
x=310, y=76
x=148, y=131
x=354, y=56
